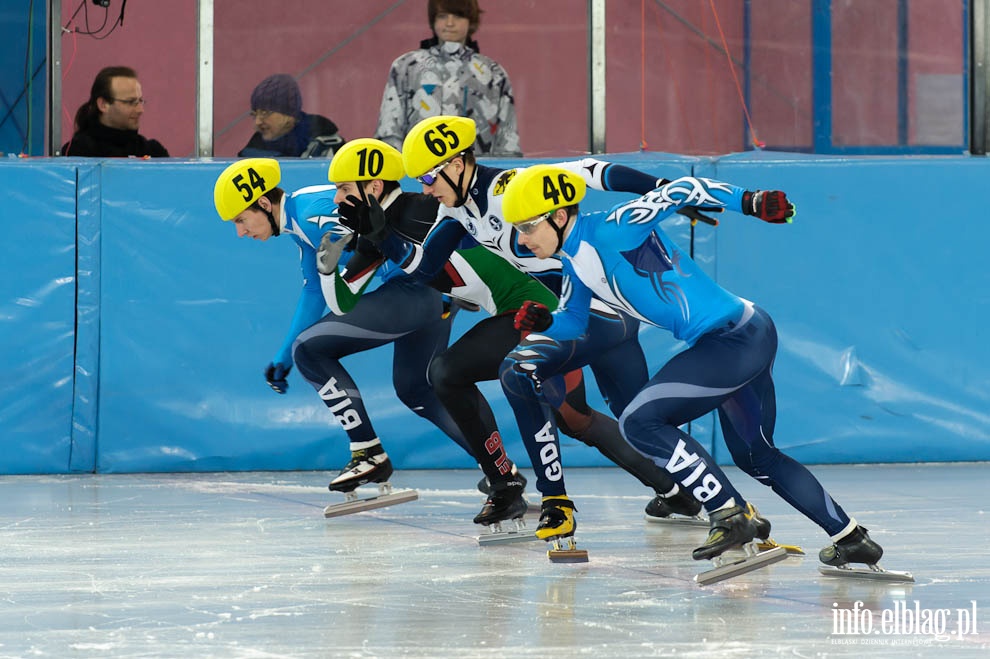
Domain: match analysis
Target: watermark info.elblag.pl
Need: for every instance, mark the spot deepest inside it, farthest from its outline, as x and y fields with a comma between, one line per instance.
x=907, y=623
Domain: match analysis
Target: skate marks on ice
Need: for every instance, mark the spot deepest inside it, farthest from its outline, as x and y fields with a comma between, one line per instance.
x=354, y=504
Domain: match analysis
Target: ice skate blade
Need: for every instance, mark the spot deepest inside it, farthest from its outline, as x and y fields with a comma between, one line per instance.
x=497, y=535
x=769, y=543
x=371, y=503
x=505, y=537
x=678, y=520
x=741, y=566
x=872, y=573
x=567, y=555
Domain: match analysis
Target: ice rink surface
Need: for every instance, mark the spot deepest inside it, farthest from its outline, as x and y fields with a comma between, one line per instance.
x=245, y=565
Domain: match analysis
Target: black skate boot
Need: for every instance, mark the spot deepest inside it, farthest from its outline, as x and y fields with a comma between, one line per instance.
x=730, y=528
x=505, y=502
x=486, y=488
x=370, y=465
x=681, y=503
x=854, y=548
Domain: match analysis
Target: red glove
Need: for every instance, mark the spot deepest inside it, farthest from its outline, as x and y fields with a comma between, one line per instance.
x=768, y=205
x=532, y=317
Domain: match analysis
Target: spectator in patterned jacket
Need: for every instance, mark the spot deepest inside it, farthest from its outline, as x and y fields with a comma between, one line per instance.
x=449, y=76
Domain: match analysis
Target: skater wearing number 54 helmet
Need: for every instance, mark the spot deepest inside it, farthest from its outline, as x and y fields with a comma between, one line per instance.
x=401, y=312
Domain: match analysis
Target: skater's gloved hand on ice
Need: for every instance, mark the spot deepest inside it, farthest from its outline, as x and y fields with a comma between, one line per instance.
x=768, y=205
x=331, y=248
x=275, y=376
x=366, y=219
x=532, y=317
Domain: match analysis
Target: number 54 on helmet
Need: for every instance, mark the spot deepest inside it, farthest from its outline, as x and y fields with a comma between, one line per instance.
x=243, y=183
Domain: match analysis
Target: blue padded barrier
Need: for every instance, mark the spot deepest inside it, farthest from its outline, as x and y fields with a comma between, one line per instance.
x=879, y=290
x=37, y=316
x=134, y=325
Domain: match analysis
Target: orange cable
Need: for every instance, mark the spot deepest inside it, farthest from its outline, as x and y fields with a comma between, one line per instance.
x=642, y=75
x=678, y=97
x=732, y=69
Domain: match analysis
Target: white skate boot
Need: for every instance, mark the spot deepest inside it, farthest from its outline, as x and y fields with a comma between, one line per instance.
x=369, y=465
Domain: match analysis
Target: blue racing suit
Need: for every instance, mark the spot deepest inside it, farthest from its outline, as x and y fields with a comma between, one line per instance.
x=610, y=346
x=624, y=258
x=401, y=311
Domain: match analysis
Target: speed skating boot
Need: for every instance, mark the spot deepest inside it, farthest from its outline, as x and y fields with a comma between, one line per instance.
x=731, y=527
x=370, y=465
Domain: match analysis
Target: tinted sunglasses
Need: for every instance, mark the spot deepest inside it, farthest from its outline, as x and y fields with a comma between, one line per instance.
x=430, y=177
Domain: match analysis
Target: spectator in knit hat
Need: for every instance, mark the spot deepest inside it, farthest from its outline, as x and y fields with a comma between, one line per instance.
x=282, y=128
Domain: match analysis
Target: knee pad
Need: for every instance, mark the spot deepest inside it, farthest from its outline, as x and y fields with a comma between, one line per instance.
x=439, y=371
x=572, y=423
x=518, y=378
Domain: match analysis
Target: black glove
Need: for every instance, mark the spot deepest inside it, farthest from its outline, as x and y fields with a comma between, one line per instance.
x=366, y=219
x=769, y=205
x=275, y=375
x=532, y=317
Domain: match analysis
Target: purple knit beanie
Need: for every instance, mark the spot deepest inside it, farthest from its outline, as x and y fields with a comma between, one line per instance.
x=277, y=93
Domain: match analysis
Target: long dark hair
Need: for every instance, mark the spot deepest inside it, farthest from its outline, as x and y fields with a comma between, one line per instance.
x=89, y=113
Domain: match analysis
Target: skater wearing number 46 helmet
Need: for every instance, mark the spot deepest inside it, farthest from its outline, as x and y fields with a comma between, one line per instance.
x=625, y=258
x=440, y=153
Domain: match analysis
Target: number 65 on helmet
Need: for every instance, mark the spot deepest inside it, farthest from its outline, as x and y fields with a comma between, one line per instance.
x=436, y=140
x=243, y=183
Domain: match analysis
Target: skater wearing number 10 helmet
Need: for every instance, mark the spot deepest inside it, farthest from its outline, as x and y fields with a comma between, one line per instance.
x=624, y=258
x=472, y=275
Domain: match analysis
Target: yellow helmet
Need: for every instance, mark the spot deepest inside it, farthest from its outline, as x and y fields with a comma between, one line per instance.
x=243, y=183
x=540, y=189
x=366, y=159
x=436, y=140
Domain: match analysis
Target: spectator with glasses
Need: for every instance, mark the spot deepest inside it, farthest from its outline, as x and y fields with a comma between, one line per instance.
x=282, y=129
x=107, y=124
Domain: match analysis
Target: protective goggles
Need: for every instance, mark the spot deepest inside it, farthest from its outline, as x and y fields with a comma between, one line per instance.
x=430, y=177
x=530, y=226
